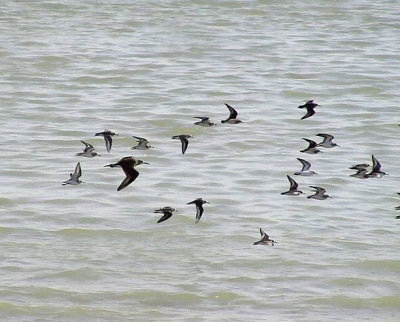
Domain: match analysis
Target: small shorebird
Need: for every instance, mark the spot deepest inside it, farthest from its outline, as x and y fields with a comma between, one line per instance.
x=376, y=169
x=107, y=134
x=128, y=166
x=232, y=119
x=199, y=207
x=319, y=193
x=312, y=147
x=88, y=152
x=305, y=171
x=309, y=105
x=293, y=191
x=166, y=211
x=143, y=144
x=361, y=170
x=265, y=239
x=205, y=121
x=74, y=177
x=327, y=142
x=184, y=139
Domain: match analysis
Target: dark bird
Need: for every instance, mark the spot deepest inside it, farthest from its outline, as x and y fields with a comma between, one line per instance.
x=293, y=191
x=88, y=152
x=128, y=166
x=199, y=207
x=184, y=139
x=319, y=193
x=312, y=147
x=167, y=211
x=107, y=134
x=327, y=142
x=305, y=171
x=376, y=169
x=205, y=121
x=265, y=239
x=143, y=144
x=309, y=105
x=74, y=177
x=232, y=119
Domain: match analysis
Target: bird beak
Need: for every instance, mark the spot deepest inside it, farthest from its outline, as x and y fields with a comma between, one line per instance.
x=145, y=162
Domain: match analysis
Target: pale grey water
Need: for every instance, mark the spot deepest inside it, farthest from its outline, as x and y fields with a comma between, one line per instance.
x=70, y=69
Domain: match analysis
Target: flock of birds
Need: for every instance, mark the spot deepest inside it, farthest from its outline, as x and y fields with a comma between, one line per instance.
x=129, y=163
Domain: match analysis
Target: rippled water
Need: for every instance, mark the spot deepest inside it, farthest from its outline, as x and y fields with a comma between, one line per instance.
x=146, y=68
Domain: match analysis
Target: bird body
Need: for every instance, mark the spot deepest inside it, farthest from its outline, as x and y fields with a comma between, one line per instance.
x=327, y=142
x=184, y=140
x=143, y=144
x=309, y=105
x=312, y=147
x=74, y=177
x=319, y=193
x=166, y=211
x=305, y=171
x=88, y=152
x=107, y=134
x=199, y=207
x=376, y=169
x=205, y=121
x=293, y=191
x=232, y=119
x=128, y=166
x=265, y=240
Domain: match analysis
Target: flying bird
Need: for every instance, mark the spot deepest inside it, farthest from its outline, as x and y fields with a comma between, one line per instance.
x=199, y=207
x=319, y=193
x=88, y=152
x=376, y=169
x=312, y=147
x=361, y=170
x=305, y=170
x=232, y=119
x=74, y=177
x=143, y=144
x=205, y=121
x=166, y=211
x=128, y=166
x=107, y=134
x=265, y=239
x=184, y=139
x=293, y=191
x=309, y=105
x=327, y=142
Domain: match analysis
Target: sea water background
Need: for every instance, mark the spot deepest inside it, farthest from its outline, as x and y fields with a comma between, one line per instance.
x=146, y=68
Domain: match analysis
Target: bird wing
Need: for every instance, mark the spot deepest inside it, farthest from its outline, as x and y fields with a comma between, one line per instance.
x=310, y=112
x=318, y=189
x=376, y=166
x=293, y=184
x=199, y=212
x=78, y=171
x=87, y=145
x=167, y=214
x=312, y=144
x=327, y=137
x=232, y=111
x=185, y=143
x=131, y=175
x=108, y=140
x=306, y=164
